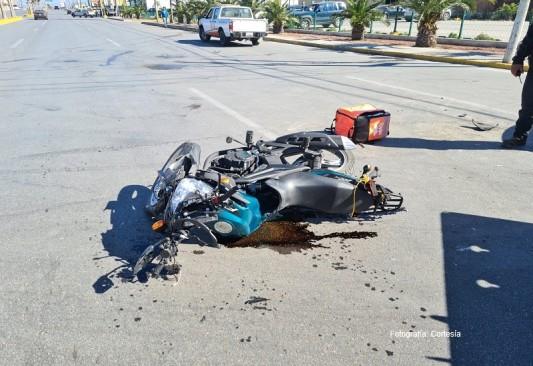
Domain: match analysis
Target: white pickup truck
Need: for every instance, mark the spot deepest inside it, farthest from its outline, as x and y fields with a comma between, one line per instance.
x=231, y=22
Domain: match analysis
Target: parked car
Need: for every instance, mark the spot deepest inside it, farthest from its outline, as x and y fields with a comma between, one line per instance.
x=324, y=14
x=91, y=13
x=79, y=13
x=295, y=9
x=40, y=14
x=111, y=12
x=391, y=11
x=231, y=22
x=409, y=14
x=56, y=7
x=455, y=11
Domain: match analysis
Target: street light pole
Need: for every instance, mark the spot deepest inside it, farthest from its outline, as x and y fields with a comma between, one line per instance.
x=519, y=21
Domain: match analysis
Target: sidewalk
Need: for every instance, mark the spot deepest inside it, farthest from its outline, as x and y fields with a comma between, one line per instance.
x=463, y=55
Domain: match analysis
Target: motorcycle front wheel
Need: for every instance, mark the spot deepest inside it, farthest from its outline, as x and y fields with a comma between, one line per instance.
x=149, y=255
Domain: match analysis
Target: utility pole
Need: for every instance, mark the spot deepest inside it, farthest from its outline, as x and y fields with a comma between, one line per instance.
x=519, y=21
x=156, y=11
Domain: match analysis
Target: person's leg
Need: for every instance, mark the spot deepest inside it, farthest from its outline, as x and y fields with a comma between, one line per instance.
x=525, y=116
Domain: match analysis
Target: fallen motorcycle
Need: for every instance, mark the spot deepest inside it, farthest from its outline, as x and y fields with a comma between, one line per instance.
x=312, y=149
x=211, y=207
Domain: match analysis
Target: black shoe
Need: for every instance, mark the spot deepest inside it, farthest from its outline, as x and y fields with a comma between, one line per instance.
x=514, y=143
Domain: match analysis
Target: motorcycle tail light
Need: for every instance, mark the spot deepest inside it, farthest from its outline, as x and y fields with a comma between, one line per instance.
x=158, y=225
x=215, y=200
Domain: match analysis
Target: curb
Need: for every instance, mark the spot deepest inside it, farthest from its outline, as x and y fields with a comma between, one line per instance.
x=366, y=51
x=10, y=20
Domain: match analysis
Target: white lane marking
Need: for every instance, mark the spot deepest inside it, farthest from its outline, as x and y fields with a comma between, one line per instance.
x=113, y=42
x=230, y=112
x=440, y=97
x=17, y=43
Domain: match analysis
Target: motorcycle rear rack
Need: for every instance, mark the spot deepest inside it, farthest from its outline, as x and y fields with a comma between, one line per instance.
x=392, y=202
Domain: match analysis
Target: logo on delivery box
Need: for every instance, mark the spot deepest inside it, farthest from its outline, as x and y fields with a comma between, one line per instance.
x=376, y=128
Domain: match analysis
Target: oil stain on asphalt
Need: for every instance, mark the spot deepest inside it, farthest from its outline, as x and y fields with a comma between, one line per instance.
x=287, y=236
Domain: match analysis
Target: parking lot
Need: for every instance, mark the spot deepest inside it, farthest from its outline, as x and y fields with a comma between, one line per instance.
x=91, y=109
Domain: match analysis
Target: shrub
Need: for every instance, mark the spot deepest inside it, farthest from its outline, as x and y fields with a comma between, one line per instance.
x=505, y=12
x=453, y=35
x=484, y=37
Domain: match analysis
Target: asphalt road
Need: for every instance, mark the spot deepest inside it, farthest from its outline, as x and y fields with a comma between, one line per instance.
x=90, y=110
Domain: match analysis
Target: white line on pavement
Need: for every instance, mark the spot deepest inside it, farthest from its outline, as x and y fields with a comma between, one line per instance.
x=17, y=43
x=257, y=127
x=440, y=97
x=113, y=42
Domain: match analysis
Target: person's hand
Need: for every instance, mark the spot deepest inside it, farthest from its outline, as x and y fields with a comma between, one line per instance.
x=517, y=69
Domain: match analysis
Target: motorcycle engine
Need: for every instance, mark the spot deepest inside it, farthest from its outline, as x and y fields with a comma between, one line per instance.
x=236, y=162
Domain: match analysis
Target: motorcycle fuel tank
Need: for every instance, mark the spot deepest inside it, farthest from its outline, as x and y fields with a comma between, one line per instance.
x=241, y=219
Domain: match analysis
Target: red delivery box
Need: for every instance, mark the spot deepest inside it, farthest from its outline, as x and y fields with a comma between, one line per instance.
x=362, y=123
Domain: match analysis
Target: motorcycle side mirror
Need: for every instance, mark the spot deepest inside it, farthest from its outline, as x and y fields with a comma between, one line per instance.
x=230, y=139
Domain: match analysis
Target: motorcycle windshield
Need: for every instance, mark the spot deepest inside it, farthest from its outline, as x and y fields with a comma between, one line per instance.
x=185, y=157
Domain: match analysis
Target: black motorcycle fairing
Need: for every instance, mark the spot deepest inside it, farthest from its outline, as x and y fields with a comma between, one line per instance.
x=315, y=192
x=276, y=172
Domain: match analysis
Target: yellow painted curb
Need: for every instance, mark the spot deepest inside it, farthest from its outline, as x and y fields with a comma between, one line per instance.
x=10, y=20
x=445, y=59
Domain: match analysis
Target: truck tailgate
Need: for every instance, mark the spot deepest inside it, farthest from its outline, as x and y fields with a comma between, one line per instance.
x=249, y=25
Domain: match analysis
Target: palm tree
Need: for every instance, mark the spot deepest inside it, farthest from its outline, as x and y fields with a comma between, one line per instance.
x=255, y=5
x=430, y=12
x=361, y=13
x=277, y=14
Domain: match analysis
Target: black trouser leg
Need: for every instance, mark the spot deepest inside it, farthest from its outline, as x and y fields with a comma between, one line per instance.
x=525, y=115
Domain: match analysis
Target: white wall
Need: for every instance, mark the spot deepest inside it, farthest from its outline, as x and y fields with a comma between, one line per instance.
x=160, y=4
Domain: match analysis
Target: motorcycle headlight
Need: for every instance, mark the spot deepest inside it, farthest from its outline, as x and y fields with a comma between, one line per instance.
x=187, y=189
x=156, y=191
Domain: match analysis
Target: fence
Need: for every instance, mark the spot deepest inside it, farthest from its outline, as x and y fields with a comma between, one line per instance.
x=454, y=28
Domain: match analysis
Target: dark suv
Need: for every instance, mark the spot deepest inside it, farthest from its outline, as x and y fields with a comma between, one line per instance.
x=324, y=14
x=40, y=14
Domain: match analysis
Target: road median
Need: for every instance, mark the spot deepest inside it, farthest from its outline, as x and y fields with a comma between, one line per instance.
x=390, y=53
x=463, y=56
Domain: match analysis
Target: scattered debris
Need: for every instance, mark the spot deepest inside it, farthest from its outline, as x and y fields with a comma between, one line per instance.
x=481, y=126
x=255, y=299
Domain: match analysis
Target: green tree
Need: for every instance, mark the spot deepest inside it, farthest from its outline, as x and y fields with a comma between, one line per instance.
x=255, y=5
x=277, y=14
x=361, y=13
x=430, y=12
